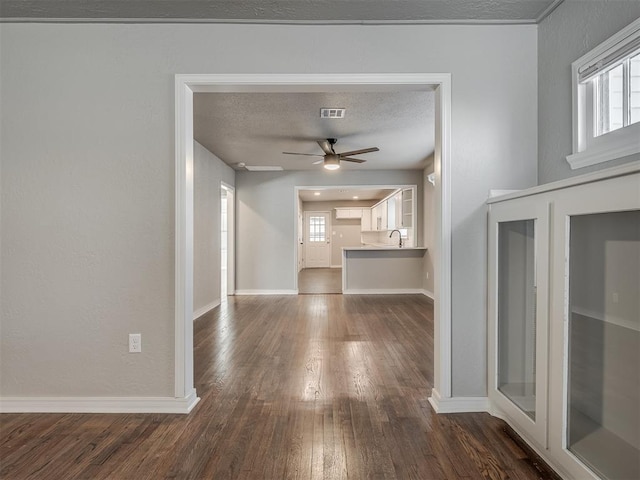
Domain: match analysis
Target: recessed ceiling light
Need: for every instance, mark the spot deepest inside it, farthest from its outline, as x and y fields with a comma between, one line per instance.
x=355, y=197
x=316, y=193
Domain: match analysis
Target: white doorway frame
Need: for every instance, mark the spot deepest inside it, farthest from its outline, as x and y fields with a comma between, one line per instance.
x=305, y=236
x=299, y=188
x=187, y=85
x=231, y=237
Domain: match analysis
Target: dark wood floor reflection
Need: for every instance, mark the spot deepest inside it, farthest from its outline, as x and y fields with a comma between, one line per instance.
x=320, y=280
x=308, y=387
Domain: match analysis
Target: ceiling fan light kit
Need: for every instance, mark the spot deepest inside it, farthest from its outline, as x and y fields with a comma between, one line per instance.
x=332, y=162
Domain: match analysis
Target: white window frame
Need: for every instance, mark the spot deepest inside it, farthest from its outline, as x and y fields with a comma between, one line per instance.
x=587, y=148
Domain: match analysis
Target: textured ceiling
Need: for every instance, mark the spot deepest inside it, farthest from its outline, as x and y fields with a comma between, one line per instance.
x=255, y=128
x=285, y=11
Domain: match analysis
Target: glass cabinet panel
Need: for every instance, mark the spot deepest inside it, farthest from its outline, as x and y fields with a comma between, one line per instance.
x=517, y=314
x=604, y=343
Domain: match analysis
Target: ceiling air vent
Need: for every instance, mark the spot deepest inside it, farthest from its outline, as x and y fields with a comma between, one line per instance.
x=332, y=112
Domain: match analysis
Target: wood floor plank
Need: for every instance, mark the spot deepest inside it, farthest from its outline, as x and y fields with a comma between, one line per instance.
x=303, y=387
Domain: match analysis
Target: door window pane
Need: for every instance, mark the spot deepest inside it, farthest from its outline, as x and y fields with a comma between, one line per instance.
x=604, y=343
x=316, y=229
x=517, y=314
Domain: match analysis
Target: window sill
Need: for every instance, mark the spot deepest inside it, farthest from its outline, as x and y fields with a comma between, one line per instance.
x=594, y=156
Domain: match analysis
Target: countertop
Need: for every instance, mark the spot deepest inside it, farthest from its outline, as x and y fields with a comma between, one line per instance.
x=385, y=247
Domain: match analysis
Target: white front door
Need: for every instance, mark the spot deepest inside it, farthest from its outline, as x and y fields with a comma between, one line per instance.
x=317, y=241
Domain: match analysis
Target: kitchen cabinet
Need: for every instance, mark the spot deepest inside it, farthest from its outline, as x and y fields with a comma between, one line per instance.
x=564, y=321
x=394, y=211
x=345, y=212
x=365, y=222
x=407, y=208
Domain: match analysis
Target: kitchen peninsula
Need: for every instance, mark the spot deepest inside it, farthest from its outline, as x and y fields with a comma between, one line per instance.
x=382, y=269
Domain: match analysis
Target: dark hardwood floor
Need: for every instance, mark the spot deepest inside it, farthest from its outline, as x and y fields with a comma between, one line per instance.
x=308, y=387
x=320, y=280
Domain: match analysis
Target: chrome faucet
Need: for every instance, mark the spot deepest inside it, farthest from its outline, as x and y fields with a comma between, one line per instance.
x=399, y=236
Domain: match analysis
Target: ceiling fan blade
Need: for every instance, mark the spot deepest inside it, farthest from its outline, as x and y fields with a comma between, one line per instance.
x=356, y=160
x=325, y=146
x=306, y=154
x=317, y=162
x=358, y=152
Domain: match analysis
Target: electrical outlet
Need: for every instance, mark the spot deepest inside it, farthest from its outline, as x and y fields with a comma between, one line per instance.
x=616, y=298
x=135, y=343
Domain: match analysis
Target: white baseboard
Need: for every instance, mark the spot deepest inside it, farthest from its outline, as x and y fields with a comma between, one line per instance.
x=99, y=404
x=382, y=291
x=266, y=292
x=428, y=294
x=458, y=404
x=207, y=308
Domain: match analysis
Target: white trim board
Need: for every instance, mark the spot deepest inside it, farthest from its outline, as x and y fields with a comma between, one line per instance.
x=263, y=21
x=458, y=404
x=186, y=85
x=383, y=291
x=266, y=292
x=207, y=308
x=98, y=404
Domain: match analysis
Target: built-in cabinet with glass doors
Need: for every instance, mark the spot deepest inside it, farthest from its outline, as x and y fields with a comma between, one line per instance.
x=564, y=321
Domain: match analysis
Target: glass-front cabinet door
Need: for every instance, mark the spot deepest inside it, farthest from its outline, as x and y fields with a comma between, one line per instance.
x=603, y=343
x=595, y=330
x=518, y=242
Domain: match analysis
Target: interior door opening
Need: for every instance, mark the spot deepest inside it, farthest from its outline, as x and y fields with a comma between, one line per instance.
x=317, y=276
x=185, y=87
x=227, y=251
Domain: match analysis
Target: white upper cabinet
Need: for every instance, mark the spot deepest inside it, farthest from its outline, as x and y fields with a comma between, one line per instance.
x=407, y=207
x=365, y=222
x=346, y=212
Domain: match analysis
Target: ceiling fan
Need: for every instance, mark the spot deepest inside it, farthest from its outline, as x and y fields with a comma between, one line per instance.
x=331, y=159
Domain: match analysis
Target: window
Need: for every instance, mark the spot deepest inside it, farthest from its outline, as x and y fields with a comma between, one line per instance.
x=617, y=96
x=606, y=100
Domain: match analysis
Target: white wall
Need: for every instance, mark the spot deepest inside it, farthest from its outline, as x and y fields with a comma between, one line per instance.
x=572, y=29
x=87, y=197
x=209, y=171
x=345, y=232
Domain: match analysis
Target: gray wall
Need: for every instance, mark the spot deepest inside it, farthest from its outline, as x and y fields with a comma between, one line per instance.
x=87, y=197
x=266, y=221
x=345, y=232
x=209, y=171
x=572, y=29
